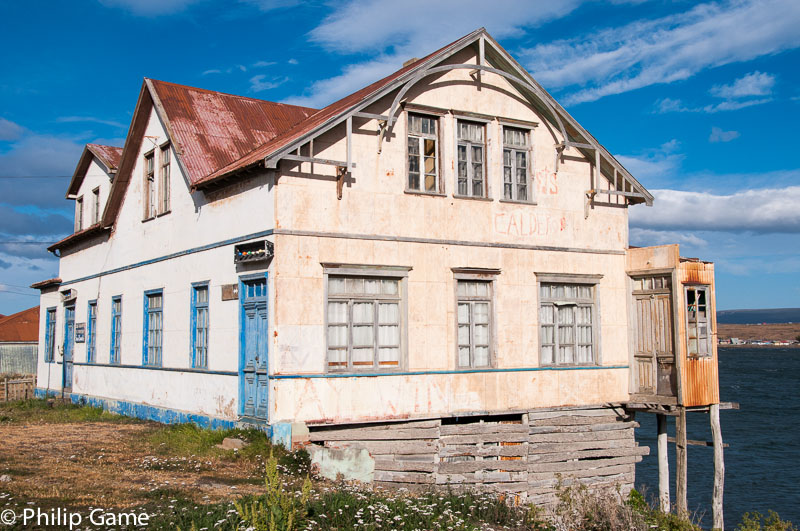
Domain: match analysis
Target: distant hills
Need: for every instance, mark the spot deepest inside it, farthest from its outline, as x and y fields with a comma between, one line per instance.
x=773, y=315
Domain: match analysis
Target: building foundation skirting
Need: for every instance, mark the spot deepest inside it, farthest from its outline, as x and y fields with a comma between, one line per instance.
x=141, y=411
x=529, y=455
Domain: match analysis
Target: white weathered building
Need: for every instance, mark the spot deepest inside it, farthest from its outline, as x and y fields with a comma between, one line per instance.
x=432, y=272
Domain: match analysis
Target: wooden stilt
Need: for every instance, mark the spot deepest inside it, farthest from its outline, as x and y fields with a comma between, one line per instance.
x=663, y=464
x=681, y=463
x=719, y=467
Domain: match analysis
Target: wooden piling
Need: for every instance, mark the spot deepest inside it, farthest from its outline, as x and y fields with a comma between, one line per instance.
x=719, y=467
x=663, y=464
x=681, y=463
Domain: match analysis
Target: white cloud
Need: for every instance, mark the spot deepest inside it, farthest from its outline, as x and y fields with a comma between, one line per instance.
x=762, y=210
x=72, y=119
x=668, y=49
x=263, y=64
x=391, y=33
x=646, y=237
x=655, y=165
x=718, y=135
x=259, y=83
x=270, y=5
x=752, y=84
x=9, y=130
x=41, y=155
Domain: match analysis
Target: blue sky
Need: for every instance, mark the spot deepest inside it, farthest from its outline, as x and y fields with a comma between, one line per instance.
x=699, y=101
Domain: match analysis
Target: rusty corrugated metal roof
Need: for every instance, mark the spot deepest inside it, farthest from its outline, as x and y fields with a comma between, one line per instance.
x=21, y=326
x=320, y=118
x=213, y=129
x=108, y=155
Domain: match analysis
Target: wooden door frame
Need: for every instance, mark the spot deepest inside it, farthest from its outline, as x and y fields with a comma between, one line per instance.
x=243, y=280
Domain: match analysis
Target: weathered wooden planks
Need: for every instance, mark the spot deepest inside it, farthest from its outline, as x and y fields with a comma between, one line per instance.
x=530, y=456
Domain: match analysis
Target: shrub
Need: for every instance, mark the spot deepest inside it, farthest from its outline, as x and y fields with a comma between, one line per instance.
x=773, y=522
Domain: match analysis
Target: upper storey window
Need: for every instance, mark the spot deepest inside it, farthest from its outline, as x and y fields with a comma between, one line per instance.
x=79, y=214
x=156, y=186
x=471, y=159
x=423, y=149
x=516, y=164
x=149, y=185
x=96, y=205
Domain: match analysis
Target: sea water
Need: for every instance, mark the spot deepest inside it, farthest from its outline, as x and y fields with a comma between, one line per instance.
x=762, y=463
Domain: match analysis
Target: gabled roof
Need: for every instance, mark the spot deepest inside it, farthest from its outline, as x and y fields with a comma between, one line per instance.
x=212, y=129
x=208, y=129
x=108, y=156
x=217, y=135
x=21, y=326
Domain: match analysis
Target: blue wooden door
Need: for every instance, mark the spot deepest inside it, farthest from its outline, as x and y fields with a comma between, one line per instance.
x=254, y=348
x=69, y=342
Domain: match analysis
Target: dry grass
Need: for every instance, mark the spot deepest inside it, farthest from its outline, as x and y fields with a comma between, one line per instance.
x=772, y=332
x=112, y=464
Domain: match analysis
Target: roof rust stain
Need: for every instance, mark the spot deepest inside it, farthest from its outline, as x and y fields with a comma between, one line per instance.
x=21, y=326
x=213, y=129
x=108, y=155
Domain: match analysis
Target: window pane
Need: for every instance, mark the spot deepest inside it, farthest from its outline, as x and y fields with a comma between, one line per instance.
x=481, y=335
x=481, y=310
x=463, y=356
x=389, y=335
x=544, y=291
x=389, y=356
x=389, y=313
x=337, y=336
x=566, y=315
x=463, y=334
x=481, y=356
x=335, y=285
x=463, y=313
x=337, y=312
x=337, y=358
x=363, y=357
x=363, y=312
x=389, y=287
x=363, y=335
x=355, y=285
x=547, y=354
x=565, y=335
x=565, y=354
x=372, y=286
x=202, y=295
x=547, y=335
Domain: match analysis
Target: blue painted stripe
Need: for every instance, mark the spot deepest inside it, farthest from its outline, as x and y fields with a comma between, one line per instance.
x=425, y=373
x=173, y=255
x=143, y=411
x=154, y=368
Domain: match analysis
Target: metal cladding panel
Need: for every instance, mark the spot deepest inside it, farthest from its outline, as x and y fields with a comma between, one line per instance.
x=213, y=129
x=700, y=376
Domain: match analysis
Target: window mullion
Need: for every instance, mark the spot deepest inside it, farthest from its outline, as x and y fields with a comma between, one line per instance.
x=350, y=334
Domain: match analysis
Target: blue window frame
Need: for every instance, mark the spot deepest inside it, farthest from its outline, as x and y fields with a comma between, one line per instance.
x=91, y=332
x=200, y=321
x=153, y=327
x=116, y=328
x=50, y=335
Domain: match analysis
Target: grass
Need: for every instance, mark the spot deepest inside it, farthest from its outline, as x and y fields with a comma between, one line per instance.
x=56, y=412
x=178, y=475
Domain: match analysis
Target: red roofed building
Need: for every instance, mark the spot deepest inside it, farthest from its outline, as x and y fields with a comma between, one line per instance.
x=19, y=341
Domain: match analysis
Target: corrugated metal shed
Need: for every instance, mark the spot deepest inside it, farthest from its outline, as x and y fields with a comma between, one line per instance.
x=214, y=129
x=21, y=326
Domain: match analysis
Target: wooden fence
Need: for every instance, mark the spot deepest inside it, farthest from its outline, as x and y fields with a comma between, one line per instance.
x=16, y=389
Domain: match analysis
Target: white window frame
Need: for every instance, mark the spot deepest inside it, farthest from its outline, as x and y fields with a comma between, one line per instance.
x=96, y=205
x=399, y=273
x=149, y=189
x=419, y=138
x=164, y=174
x=489, y=277
x=695, y=323
x=513, y=149
x=577, y=280
x=79, y=214
x=469, y=145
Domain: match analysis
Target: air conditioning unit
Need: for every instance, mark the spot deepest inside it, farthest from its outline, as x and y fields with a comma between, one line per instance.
x=69, y=295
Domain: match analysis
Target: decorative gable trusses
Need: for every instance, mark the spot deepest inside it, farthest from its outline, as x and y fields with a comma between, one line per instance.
x=618, y=188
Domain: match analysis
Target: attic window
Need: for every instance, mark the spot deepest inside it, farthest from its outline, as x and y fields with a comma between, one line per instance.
x=149, y=186
x=423, y=158
x=79, y=214
x=471, y=159
x=516, y=163
x=95, y=205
